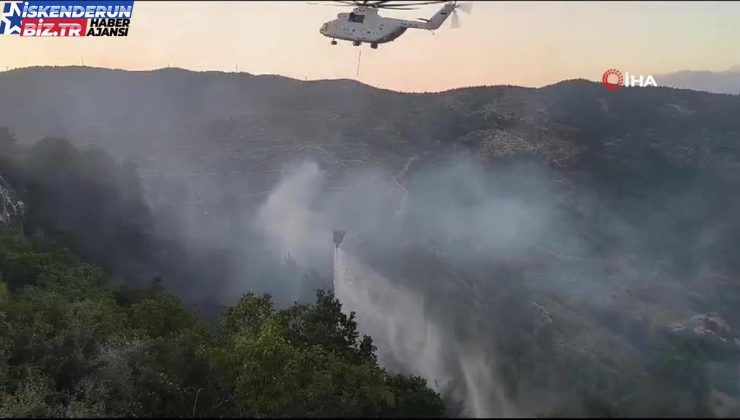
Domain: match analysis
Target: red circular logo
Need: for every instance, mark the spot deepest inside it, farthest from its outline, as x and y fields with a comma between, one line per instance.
x=610, y=85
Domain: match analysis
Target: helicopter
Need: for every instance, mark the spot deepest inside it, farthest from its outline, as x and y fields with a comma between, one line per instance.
x=365, y=25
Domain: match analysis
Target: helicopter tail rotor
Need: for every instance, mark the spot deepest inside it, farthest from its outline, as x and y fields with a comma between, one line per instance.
x=455, y=21
x=463, y=7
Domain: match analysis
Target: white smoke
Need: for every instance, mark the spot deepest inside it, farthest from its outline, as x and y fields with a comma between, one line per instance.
x=287, y=219
x=484, y=395
x=448, y=205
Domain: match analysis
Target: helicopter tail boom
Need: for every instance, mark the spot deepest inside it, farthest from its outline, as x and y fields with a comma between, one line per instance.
x=439, y=18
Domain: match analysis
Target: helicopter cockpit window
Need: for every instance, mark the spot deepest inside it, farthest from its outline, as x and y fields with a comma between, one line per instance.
x=356, y=18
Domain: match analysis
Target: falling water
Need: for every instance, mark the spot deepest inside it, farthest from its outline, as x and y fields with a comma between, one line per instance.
x=408, y=340
x=393, y=317
x=404, y=200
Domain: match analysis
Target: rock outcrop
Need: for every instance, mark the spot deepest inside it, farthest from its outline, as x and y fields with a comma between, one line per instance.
x=11, y=208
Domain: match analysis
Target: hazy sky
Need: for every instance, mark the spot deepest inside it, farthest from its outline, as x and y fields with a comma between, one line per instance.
x=520, y=43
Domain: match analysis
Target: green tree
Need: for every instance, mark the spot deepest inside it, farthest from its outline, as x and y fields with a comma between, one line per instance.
x=72, y=344
x=308, y=361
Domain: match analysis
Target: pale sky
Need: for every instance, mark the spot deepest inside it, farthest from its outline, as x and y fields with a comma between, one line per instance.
x=518, y=43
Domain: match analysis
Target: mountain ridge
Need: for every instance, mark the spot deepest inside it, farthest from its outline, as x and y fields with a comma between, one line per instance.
x=171, y=102
x=726, y=81
x=698, y=80
x=277, y=76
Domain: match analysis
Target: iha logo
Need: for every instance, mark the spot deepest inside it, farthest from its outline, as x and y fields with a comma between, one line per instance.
x=613, y=79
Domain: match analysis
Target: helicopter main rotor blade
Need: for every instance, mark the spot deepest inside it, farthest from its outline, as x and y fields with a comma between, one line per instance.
x=406, y=3
x=364, y=3
x=419, y=3
x=397, y=8
x=387, y=4
x=325, y=4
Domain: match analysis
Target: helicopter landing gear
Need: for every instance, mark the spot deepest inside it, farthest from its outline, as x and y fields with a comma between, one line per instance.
x=374, y=45
x=356, y=43
x=333, y=42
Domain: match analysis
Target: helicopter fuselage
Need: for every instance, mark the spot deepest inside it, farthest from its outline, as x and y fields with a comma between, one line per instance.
x=364, y=24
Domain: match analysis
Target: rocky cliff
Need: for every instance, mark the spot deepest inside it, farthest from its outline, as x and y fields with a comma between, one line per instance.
x=11, y=208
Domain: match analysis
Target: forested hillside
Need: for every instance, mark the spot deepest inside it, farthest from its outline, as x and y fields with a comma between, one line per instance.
x=75, y=343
